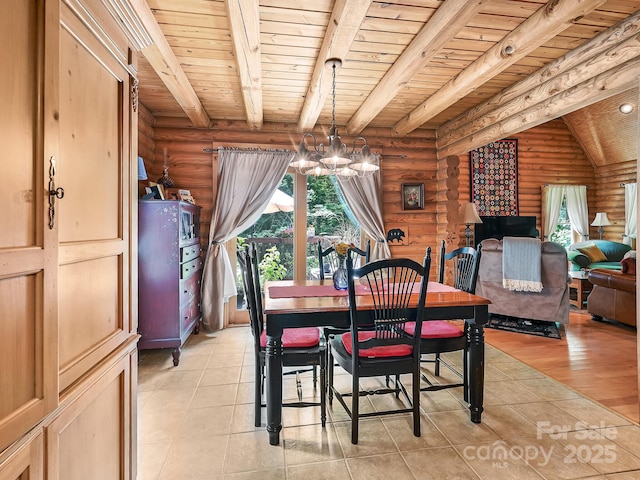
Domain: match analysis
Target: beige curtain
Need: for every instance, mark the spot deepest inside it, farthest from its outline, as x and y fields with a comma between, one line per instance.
x=553, y=195
x=577, y=210
x=630, y=213
x=246, y=181
x=364, y=197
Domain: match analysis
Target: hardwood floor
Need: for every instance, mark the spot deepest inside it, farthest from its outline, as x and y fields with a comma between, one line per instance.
x=597, y=359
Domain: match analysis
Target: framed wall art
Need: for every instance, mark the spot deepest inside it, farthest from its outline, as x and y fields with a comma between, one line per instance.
x=494, y=178
x=413, y=196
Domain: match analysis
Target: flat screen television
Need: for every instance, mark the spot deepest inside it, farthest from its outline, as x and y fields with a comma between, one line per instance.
x=498, y=227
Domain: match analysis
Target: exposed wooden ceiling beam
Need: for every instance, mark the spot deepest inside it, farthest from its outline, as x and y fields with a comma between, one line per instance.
x=244, y=22
x=344, y=24
x=543, y=25
x=166, y=65
x=613, y=81
x=601, y=53
x=445, y=23
x=610, y=49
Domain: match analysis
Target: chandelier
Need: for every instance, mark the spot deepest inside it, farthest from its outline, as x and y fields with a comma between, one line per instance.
x=335, y=158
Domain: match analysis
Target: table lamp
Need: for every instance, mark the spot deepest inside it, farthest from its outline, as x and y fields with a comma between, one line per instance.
x=601, y=221
x=469, y=215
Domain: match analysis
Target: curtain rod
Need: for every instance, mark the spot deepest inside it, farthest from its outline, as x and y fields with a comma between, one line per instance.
x=563, y=185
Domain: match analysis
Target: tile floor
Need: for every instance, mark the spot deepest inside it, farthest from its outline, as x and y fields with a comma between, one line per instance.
x=195, y=421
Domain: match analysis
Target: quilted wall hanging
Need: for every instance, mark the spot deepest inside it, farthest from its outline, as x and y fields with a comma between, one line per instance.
x=494, y=178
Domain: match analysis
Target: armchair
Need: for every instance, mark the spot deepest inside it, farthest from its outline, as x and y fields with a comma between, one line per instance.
x=551, y=305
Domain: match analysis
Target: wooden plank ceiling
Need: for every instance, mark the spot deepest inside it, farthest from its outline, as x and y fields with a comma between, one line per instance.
x=473, y=70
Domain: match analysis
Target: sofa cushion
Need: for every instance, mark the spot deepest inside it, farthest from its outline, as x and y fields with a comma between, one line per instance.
x=607, y=265
x=614, y=251
x=593, y=252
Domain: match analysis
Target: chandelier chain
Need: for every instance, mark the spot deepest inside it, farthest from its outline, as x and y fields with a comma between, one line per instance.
x=333, y=102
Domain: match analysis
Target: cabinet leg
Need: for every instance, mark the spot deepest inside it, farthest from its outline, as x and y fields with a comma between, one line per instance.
x=196, y=329
x=176, y=356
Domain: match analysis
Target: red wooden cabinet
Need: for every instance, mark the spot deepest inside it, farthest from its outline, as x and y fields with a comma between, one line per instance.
x=169, y=273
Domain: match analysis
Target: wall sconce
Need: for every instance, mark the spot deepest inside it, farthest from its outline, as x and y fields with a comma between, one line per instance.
x=469, y=215
x=601, y=221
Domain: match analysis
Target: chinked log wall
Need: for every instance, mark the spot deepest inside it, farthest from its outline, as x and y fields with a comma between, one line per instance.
x=547, y=154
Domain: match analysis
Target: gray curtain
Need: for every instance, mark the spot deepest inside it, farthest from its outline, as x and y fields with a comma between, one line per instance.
x=364, y=197
x=246, y=181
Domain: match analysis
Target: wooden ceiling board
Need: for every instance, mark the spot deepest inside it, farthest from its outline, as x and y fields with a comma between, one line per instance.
x=291, y=35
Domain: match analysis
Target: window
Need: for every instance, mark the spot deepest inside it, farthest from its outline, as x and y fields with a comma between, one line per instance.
x=328, y=220
x=563, y=231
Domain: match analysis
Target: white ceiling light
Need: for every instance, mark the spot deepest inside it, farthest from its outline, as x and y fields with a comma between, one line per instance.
x=626, y=108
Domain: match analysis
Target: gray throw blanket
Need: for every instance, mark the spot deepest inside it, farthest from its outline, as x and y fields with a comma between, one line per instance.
x=521, y=264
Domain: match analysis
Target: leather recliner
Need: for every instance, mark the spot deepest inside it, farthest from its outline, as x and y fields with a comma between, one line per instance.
x=613, y=296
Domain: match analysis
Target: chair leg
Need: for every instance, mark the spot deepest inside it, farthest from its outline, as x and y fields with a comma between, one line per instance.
x=323, y=390
x=299, y=386
x=258, y=393
x=465, y=376
x=355, y=407
x=329, y=361
x=416, y=401
x=315, y=376
x=436, y=369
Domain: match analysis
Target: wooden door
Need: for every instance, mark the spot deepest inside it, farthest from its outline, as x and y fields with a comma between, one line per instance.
x=28, y=250
x=92, y=219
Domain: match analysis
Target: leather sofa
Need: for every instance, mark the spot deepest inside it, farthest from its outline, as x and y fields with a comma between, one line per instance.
x=552, y=304
x=613, y=295
x=614, y=251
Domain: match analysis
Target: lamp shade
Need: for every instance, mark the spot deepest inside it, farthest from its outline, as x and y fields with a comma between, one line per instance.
x=601, y=220
x=469, y=213
x=142, y=172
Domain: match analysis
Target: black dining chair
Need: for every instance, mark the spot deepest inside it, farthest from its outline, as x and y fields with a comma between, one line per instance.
x=327, y=260
x=443, y=336
x=302, y=347
x=377, y=344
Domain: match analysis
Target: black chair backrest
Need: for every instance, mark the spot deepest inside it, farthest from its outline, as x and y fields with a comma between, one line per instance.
x=257, y=287
x=465, y=262
x=391, y=285
x=366, y=253
x=255, y=315
x=327, y=260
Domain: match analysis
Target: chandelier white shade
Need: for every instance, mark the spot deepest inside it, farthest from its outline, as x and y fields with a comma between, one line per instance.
x=334, y=158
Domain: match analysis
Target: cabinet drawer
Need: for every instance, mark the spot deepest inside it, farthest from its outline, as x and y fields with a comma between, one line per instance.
x=189, y=314
x=189, y=253
x=189, y=289
x=187, y=269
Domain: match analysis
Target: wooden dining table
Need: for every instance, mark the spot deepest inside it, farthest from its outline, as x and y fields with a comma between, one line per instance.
x=308, y=303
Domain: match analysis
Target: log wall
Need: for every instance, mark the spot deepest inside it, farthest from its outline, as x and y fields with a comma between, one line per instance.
x=547, y=154
x=410, y=159
x=609, y=197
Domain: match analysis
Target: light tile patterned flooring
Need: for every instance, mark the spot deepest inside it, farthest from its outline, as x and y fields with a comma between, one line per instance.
x=195, y=421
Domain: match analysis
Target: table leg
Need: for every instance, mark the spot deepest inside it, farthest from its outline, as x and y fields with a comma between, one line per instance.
x=475, y=361
x=274, y=386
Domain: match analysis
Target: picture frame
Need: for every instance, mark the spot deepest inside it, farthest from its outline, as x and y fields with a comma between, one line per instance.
x=156, y=190
x=412, y=196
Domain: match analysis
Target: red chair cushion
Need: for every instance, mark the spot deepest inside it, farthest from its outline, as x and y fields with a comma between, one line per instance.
x=381, y=351
x=296, y=337
x=435, y=329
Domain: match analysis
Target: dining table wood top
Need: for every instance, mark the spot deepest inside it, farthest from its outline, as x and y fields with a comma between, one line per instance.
x=440, y=296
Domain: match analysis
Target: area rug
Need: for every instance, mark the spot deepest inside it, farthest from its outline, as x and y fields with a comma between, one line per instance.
x=521, y=325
